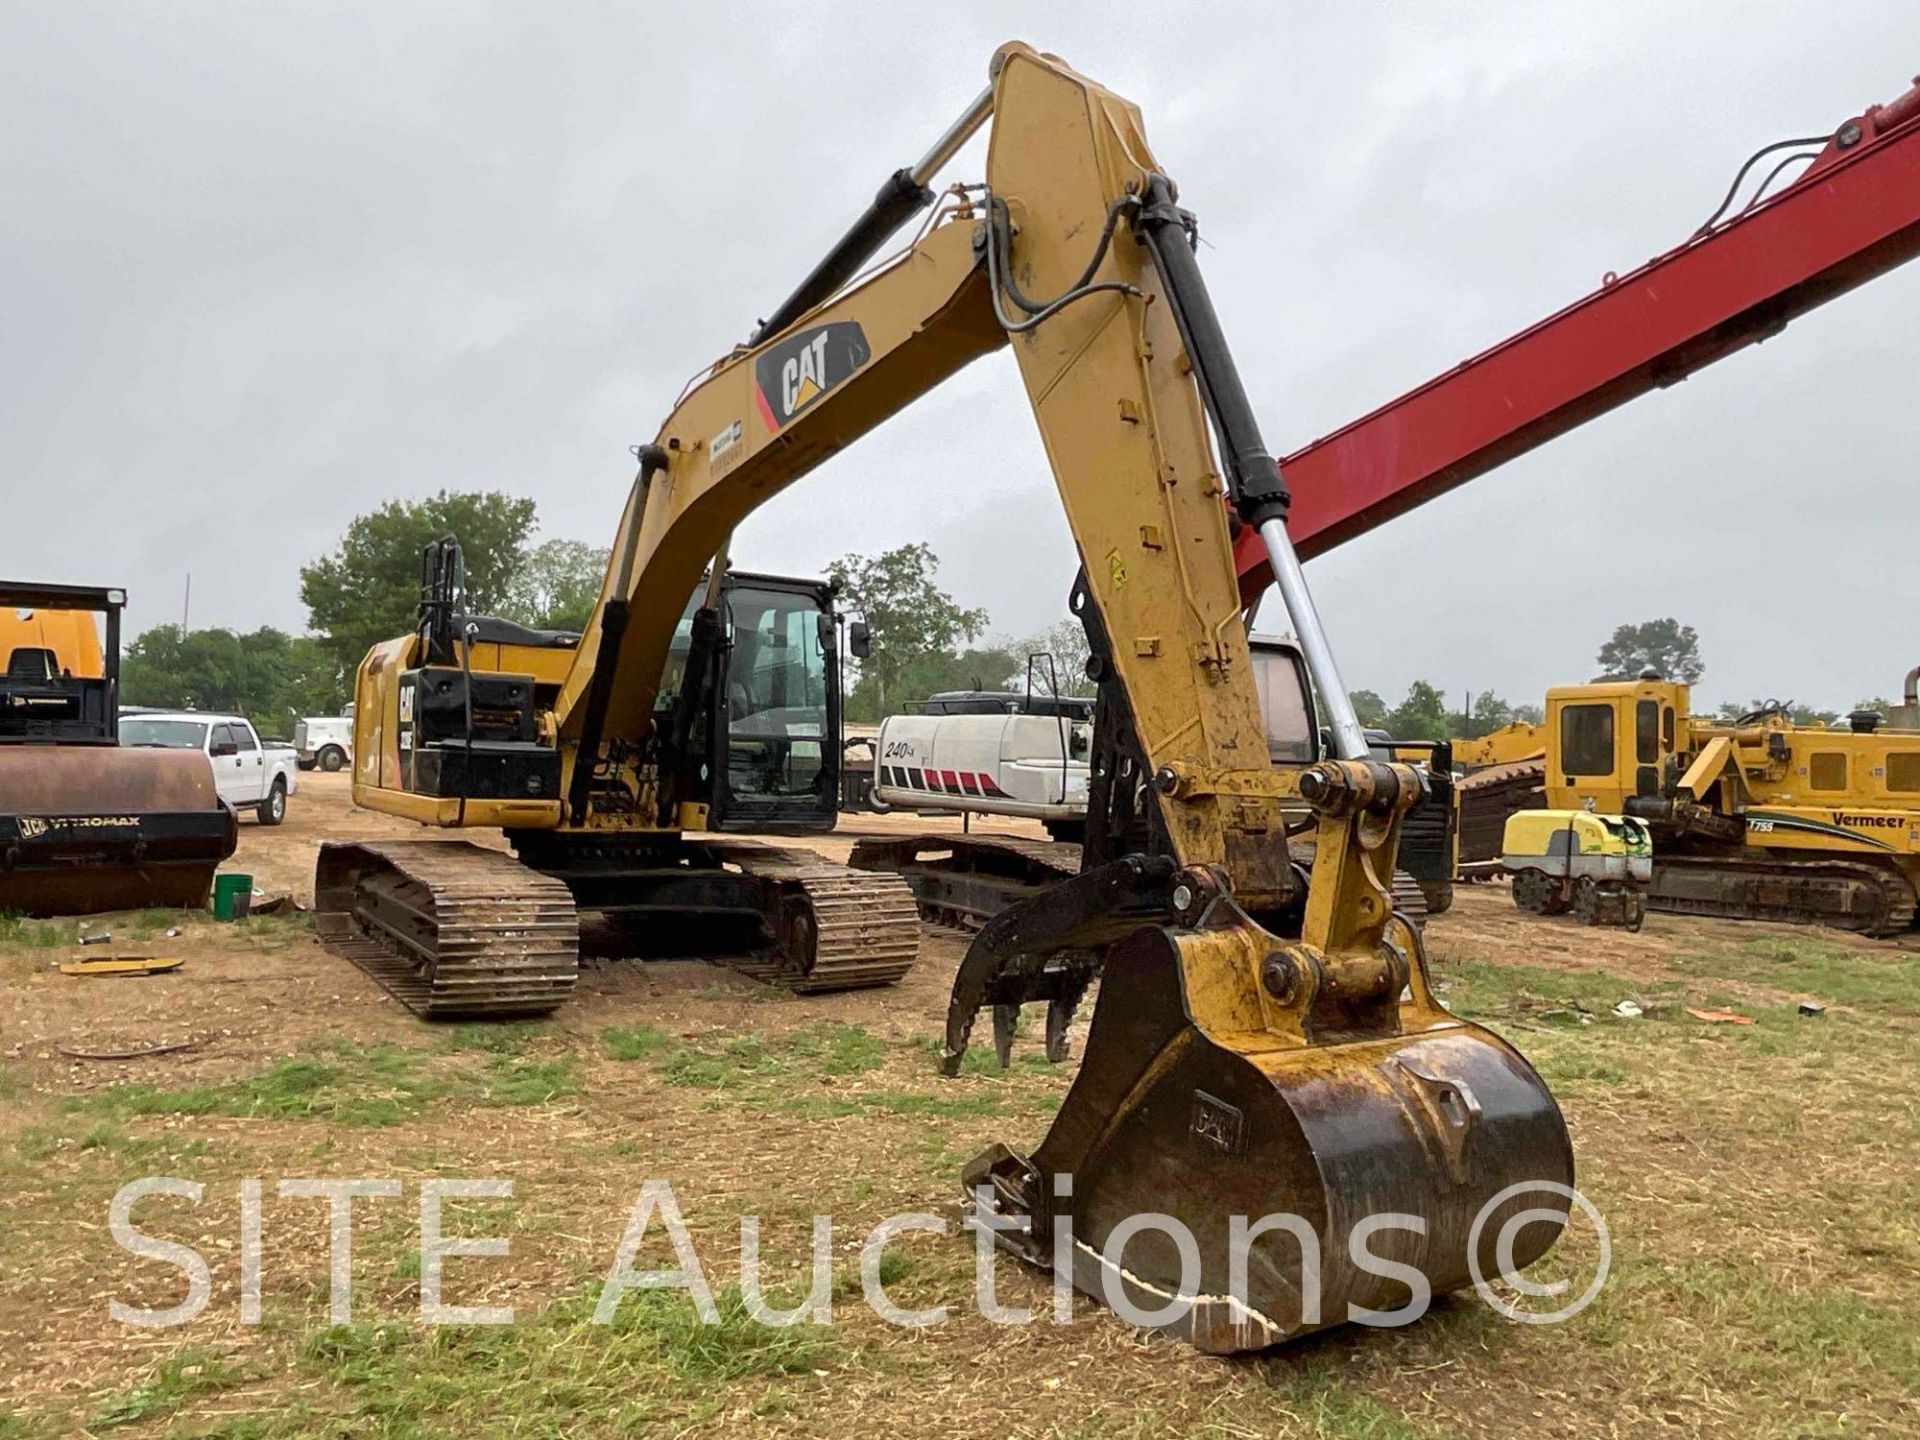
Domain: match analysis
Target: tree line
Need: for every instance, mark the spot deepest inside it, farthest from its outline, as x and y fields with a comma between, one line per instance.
x=367, y=589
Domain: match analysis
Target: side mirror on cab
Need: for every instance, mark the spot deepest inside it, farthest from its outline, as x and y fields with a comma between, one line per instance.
x=859, y=640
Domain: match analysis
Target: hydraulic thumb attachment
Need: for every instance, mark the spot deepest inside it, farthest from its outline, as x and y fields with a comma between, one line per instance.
x=1264, y=1131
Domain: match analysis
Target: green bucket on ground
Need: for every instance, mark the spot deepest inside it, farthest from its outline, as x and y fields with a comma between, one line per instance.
x=232, y=895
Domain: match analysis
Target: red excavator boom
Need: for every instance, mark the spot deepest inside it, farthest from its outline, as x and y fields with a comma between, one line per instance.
x=1851, y=215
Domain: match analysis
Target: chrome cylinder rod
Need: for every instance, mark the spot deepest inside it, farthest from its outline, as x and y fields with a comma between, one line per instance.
x=1349, y=740
x=957, y=134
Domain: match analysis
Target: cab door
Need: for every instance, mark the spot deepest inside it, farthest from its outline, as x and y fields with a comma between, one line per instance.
x=231, y=777
x=1584, y=756
x=253, y=762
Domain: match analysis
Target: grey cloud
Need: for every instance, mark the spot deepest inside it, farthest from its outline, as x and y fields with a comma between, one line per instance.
x=265, y=267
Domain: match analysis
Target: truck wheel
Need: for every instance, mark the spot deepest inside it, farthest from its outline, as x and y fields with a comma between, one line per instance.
x=273, y=809
x=332, y=758
x=305, y=764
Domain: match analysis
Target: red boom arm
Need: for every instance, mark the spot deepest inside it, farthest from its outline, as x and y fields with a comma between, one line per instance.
x=1853, y=215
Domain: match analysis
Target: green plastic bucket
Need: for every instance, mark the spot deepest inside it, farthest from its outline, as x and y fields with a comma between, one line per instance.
x=232, y=894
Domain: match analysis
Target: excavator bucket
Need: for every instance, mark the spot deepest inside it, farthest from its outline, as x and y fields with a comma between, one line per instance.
x=1336, y=1151
x=87, y=828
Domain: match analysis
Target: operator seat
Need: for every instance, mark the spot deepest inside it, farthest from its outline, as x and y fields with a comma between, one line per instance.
x=34, y=664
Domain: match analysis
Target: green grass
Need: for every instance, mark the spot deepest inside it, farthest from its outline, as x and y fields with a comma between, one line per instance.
x=173, y=1382
x=797, y=1073
x=839, y=1049
x=1029, y=1057
x=357, y=1086
x=1333, y=1407
x=1771, y=1337
x=514, y=1081
x=1842, y=975
x=17, y=929
x=751, y=1062
x=696, y=1071
x=18, y=1425
x=946, y=1107
x=556, y=1373
x=1480, y=989
x=632, y=1042
x=499, y=1037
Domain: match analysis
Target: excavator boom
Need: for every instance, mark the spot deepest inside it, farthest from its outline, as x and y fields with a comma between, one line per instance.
x=1851, y=216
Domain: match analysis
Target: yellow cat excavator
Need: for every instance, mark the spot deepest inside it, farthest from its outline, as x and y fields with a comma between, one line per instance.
x=1253, y=1051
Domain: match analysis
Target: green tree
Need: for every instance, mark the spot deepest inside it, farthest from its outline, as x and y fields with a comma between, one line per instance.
x=1489, y=713
x=988, y=667
x=268, y=676
x=1369, y=708
x=1663, y=645
x=909, y=616
x=368, y=589
x=557, y=586
x=1421, y=716
x=1732, y=711
x=1066, y=642
x=1530, y=714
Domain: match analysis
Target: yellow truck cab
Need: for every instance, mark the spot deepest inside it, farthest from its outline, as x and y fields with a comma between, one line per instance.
x=1609, y=740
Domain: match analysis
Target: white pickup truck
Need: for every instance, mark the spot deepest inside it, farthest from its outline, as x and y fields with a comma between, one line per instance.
x=324, y=740
x=248, y=774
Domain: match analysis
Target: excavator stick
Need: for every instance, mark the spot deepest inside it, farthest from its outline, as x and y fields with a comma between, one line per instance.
x=86, y=829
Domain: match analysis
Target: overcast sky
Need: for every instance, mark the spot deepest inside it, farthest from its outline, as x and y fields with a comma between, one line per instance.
x=263, y=267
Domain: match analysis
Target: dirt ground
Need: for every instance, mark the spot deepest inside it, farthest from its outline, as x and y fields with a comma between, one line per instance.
x=1758, y=1182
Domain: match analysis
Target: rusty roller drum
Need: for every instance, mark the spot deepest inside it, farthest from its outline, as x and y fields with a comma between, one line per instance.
x=87, y=828
x=1191, y=1103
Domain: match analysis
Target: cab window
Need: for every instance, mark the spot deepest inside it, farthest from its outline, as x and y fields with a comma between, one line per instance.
x=1827, y=770
x=1281, y=683
x=1903, y=772
x=1646, y=732
x=1586, y=740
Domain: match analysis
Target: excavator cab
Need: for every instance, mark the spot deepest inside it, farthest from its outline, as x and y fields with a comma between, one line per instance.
x=1613, y=741
x=750, y=699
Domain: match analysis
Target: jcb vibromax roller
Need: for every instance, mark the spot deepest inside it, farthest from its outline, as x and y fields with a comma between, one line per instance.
x=84, y=825
x=1252, y=1053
